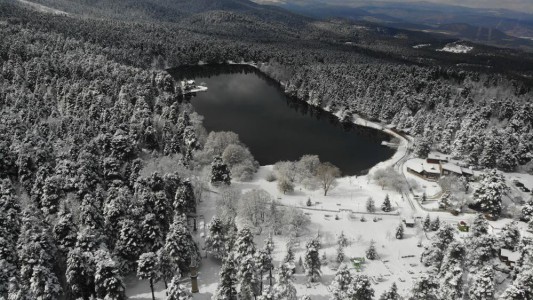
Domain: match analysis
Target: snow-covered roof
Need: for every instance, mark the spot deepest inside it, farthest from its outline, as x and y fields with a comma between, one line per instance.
x=467, y=171
x=512, y=256
x=190, y=81
x=437, y=156
x=409, y=221
x=452, y=168
x=431, y=168
x=418, y=168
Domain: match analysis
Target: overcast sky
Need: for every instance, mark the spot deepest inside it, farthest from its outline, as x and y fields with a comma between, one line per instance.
x=518, y=5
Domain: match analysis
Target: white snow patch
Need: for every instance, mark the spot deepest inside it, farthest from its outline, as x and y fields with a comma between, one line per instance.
x=421, y=46
x=456, y=48
x=42, y=8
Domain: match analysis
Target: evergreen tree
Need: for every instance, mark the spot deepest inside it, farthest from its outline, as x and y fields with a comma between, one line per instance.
x=180, y=244
x=371, y=253
x=215, y=242
x=244, y=251
x=108, y=283
x=510, y=235
x=522, y=286
x=451, y=272
x=422, y=147
x=312, y=262
x=360, y=288
x=226, y=289
x=341, y=283
x=148, y=268
x=425, y=288
x=179, y=292
x=488, y=196
x=284, y=289
x=427, y=223
x=65, y=230
x=129, y=244
x=386, y=206
x=342, y=240
x=482, y=286
x=167, y=269
x=370, y=205
x=184, y=201
x=264, y=264
x=220, y=173
x=391, y=294
x=435, y=224
x=399, y=231
x=80, y=273
x=433, y=255
x=480, y=226
x=340, y=254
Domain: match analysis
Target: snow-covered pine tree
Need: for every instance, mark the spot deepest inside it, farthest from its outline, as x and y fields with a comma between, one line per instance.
x=312, y=262
x=180, y=244
x=433, y=255
x=36, y=252
x=482, y=286
x=482, y=249
x=283, y=289
x=108, y=283
x=451, y=272
x=371, y=253
x=510, y=235
x=425, y=288
x=264, y=265
x=129, y=244
x=148, y=268
x=488, y=196
x=341, y=283
x=399, y=231
x=435, y=224
x=360, y=288
x=342, y=240
x=215, y=242
x=522, y=287
x=167, y=268
x=244, y=251
x=422, y=147
x=184, y=201
x=226, y=289
x=480, y=226
x=289, y=255
x=220, y=173
x=391, y=294
x=80, y=273
x=340, y=254
x=527, y=211
x=427, y=223
x=65, y=229
x=386, y=206
x=177, y=291
x=370, y=205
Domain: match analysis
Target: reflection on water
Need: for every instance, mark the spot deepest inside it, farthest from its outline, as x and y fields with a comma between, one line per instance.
x=276, y=127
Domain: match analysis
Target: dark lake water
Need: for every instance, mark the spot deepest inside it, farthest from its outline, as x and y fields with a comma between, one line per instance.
x=276, y=127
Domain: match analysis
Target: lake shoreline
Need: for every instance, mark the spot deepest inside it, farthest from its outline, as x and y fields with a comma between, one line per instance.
x=397, y=155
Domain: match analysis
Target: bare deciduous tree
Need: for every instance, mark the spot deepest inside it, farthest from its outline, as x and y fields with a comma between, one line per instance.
x=327, y=175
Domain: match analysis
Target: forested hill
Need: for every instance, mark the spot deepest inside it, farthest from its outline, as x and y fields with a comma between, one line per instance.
x=379, y=75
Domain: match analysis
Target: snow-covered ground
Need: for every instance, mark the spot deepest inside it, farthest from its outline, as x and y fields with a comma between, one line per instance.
x=421, y=46
x=456, y=48
x=42, y=8
x=399, y=260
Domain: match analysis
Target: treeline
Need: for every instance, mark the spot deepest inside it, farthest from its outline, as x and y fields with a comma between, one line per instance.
x=486, y=119
x=95, y=160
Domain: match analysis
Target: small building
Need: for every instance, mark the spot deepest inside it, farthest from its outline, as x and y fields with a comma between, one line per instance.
x=463, y=227
x=509, y=257
x=437, y=158
x=451, y=169
x=425, y=170
x=467, y=172
x=409, y=222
